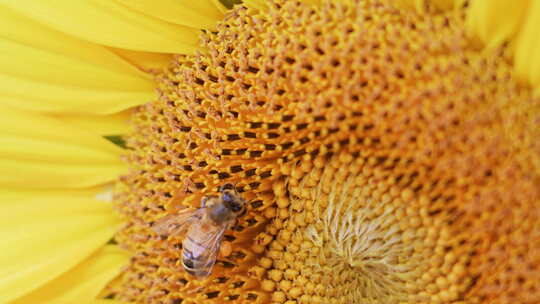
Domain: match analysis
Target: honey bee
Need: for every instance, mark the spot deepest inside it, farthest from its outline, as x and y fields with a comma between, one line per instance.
x=203, y=228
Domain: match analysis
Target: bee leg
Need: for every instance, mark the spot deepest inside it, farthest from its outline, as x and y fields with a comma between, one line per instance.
x=226, y=249
x=203, y=201
x=195, y=290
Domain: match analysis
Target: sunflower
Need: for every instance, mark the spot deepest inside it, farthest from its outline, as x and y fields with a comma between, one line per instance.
x=387, y=150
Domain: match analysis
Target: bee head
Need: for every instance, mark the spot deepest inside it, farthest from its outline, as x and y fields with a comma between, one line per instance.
x=232, y=200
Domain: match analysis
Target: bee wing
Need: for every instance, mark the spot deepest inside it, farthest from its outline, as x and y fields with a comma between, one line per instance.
x=176, y=223
x=211, y=244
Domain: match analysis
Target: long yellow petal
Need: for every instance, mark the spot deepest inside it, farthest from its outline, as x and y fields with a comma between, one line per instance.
x=17, y=123
x=84, y=281
x=220, y=6
x=256, y=4
x=37, y=151
x=445, y=4
x=44, y=234
x=109, y=23
x=527, y=56
x=202, y=14
x=114, y=124
x=419, y=5
x=44, y=70
x=145, y=61
x=495, y=21
x=33, y=95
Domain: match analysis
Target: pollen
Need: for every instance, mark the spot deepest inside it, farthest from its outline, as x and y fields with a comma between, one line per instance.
x=383, y=156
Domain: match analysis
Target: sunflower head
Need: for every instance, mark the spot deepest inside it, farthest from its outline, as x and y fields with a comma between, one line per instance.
x=370, y=143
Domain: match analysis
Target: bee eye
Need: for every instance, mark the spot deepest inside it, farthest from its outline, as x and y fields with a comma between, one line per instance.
x=235, y=207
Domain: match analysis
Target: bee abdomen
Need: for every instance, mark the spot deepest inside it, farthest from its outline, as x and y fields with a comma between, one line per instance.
x=195, y=265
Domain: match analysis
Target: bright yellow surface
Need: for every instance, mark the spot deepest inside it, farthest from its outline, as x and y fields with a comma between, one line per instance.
x=113, y=124
x=219, y=6
x=145, y=61
x=495, y=21
x=527, y=59
x=109, y=23
x=37, y=151
x=44, y=234
x=420, y=4
x=84, y=281
x=195, y=14
x=258, y=4
x=44, y=70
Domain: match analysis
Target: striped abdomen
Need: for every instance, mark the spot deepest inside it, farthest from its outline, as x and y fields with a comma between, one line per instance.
x=200, y=248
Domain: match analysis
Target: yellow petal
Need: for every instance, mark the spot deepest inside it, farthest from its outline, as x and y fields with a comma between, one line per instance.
x=109, y=23
x=257, y=4
x=220, y=6
x=202, y=14
x=84, y=281
x=527, y=56
x=44, y=234
x=420, y=5
x=44, y=70
x=495, y=21
x=145, y=61
x=444, y=4
x=263, y=5
x=99, y=124
x=37, y=151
